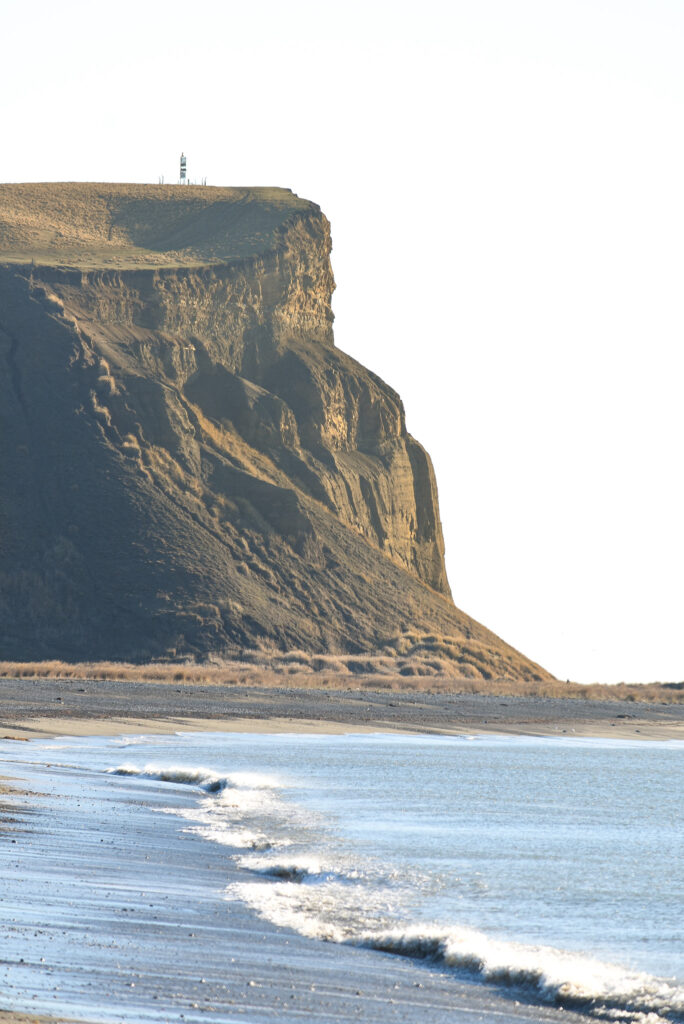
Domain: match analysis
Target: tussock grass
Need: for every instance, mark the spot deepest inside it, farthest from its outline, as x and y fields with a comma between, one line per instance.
x=415, y=670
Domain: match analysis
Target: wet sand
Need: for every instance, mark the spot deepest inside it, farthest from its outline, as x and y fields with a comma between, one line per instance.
x=116, y=913
x=217, y=961
x=8, y=807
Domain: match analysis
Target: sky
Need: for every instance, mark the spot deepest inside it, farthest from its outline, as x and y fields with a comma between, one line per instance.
x=505, y=184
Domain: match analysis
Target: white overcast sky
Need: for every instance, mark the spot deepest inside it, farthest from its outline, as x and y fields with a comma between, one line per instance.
x=505, y=182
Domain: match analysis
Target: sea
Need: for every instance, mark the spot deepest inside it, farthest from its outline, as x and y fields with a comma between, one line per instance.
x=549, y=867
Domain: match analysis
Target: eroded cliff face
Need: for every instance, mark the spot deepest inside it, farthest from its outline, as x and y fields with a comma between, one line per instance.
x=189, y=465
x=192, y=367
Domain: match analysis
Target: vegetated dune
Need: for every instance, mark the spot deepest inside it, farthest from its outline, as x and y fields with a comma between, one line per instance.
x=190, y=468
x=414, y=670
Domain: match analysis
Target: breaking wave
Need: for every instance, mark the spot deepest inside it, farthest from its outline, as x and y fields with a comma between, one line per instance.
x=299, y=868
x=567, y=979
x=330, y=912
x=321, y=892
x=231, y=800
x=204, y=778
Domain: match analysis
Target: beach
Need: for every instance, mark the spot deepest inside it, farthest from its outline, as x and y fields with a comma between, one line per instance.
x=127, y=911
x=120, y=874
x=34, y=707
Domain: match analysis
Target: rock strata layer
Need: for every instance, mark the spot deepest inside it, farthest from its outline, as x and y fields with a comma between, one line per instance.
x=189, y=465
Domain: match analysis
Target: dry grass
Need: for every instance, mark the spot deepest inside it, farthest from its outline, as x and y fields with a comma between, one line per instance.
x=89, y=224
x=298, y=669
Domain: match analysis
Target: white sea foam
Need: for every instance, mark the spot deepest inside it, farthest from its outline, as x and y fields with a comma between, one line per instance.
x=205, y=778
x=237, y=802
x=301, y=867
x=293, y=869
x=556, y=975
x=216, y=828
x=229, y=799
x=289, y=905
x=238, y=838
x=325, y=894
x=328, y=911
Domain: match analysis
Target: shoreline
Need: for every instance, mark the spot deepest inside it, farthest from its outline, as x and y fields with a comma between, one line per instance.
x=271, y=962
x=146, y=885
x=45, y=728
x=49, y=707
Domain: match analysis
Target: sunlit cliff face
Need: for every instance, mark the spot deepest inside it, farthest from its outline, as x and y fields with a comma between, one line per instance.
x=191, y=465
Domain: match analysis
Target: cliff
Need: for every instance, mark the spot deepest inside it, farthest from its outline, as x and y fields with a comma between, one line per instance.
x=189, y=466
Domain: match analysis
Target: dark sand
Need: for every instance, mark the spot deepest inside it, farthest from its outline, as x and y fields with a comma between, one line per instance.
x=31, y=707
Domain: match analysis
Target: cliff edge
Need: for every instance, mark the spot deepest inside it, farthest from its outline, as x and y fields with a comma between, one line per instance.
x=189, y=465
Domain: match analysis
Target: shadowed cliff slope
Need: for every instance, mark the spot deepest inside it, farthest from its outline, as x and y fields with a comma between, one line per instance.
x=189, y=466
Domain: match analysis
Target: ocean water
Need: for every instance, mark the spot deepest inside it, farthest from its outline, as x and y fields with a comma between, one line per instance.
x=554, y=867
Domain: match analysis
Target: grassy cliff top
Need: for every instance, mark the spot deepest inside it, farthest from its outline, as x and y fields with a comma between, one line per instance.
x=91, y=225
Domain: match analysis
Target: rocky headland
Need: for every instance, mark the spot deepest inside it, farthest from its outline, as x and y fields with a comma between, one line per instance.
x=190, y=467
